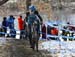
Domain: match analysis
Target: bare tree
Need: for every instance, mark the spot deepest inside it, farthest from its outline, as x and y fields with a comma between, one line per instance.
x=3, y=1
x=28, y=3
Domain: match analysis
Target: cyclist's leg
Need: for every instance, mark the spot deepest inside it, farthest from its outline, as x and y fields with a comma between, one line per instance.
x=26, y=31
x=30, y=35
x=34, y=43
x=34, y=36
x=37, y=38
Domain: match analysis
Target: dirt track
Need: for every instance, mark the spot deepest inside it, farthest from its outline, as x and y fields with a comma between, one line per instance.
x=18, y=48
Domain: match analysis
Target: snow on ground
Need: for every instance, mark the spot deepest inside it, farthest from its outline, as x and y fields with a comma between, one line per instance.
x=2, y=41
x=60, y=48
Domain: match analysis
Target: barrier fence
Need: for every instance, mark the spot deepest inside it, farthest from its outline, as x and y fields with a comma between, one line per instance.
x=53, y=36
x=48, y=35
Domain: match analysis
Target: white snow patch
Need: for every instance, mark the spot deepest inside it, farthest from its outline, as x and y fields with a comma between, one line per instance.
x=62, y=48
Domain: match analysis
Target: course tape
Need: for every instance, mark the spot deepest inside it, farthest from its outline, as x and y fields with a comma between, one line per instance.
x=53, y=36
x=48, y=35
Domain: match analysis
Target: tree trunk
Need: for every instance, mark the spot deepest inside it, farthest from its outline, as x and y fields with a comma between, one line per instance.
x=2, y=2
x=28, y=3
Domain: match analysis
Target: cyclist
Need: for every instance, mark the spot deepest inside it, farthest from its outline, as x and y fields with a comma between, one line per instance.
x=34, y=15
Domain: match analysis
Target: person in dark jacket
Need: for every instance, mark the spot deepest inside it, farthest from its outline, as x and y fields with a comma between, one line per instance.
x=4, y=25
x=26, y=18
x=44, y=31
x=26, y=24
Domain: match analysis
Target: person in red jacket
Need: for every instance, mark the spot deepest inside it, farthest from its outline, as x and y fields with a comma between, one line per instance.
x=54, y=32
x=21, y=23
x=21, y=26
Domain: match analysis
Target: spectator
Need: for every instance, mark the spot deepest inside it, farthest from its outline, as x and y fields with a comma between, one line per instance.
x=26, y=20
x=21, y=26
x=4, y=25
x=48, y=29
x=44, y=31
x=13, y=31
x=16, y=24
x=54, y=32
x=11, y=25
x=27, y=14
x=26, y=24
x=11, y=22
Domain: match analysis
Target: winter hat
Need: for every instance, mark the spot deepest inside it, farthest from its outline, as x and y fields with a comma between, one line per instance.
x=32, y=8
